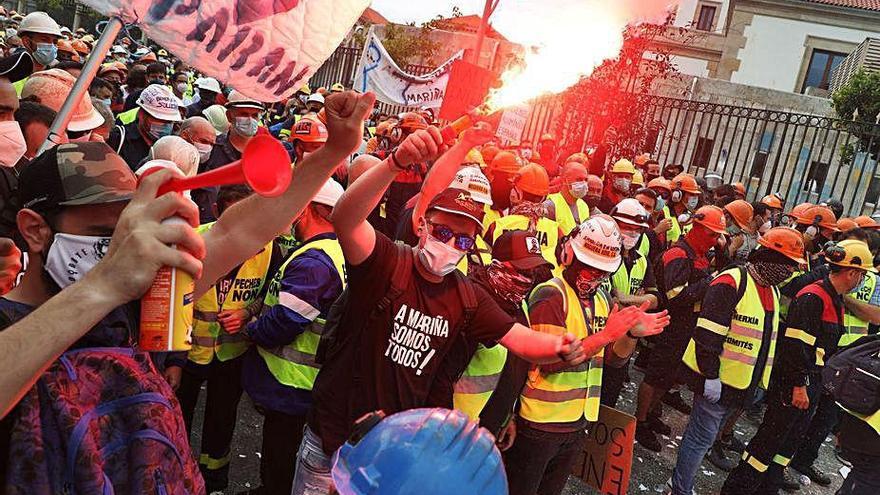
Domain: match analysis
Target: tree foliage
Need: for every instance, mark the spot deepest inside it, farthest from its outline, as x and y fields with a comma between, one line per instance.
x=408, y=46
x=858, y=104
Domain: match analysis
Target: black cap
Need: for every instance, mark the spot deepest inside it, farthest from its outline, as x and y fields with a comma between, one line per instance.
x=17, y=66
x=520, y=248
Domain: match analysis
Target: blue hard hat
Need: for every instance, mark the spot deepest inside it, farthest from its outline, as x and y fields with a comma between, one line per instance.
x=420, y=451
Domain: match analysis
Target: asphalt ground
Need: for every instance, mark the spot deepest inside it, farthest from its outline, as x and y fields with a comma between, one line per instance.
x=649, y=470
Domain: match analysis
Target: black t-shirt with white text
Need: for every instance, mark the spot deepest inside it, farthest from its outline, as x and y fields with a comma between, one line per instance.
x=406, y=358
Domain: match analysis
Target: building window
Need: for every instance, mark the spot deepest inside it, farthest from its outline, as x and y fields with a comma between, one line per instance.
x=822, y=65
x=706, y=17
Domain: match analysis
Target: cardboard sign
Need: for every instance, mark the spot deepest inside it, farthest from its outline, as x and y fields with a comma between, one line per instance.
x=467, y=88
x=513, y=121
x=606, y=461
x=265, y=49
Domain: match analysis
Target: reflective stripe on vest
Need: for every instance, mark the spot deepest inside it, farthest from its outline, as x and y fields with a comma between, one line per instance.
x=567, y=396
x=854, y=327
x=564, y=217
x=547, y=232
x=209, y=338
x=873, y=420
x=294, y=364
x=630, y=281
x=644, y=247
x=743, y=339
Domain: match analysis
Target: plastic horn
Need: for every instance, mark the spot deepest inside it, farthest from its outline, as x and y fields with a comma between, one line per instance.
x=264, y=166
x=452, y=130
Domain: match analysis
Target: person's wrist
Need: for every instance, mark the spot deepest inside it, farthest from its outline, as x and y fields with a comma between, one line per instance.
x=97, y=288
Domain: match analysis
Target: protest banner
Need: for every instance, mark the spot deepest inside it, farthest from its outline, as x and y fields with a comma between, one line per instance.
x=377, y=72
x=467, y=88
x=265, y=50
x=606, y=460
x=513, y=121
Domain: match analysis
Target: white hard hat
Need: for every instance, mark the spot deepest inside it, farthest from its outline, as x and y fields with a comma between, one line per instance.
x=39, y=22
x=208, y=84
x=238, y=100
x=316, y=97
x=119, y=49
x=329, y=193
x=158, y=101
x=178, y=150
x=597, y=243
x=630, y=212
x=216, y=115
x=471, y=179
x=140, y=52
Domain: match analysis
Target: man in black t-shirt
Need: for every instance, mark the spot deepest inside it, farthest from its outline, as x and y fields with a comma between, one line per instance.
x=400, y=358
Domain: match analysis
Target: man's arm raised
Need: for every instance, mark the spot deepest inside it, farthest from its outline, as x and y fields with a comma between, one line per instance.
x=247, y=226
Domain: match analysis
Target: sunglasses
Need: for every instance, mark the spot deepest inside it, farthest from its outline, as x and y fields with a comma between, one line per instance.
x=443, y=233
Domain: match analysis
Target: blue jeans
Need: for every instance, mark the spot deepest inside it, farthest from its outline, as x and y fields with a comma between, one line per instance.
x=702, y=428
x=313, y=466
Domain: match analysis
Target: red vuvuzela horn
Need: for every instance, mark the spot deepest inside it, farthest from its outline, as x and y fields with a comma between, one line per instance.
x=264, y=166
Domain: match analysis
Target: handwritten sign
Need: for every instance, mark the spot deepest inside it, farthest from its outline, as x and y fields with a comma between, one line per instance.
x=606, y=461
x=513, y=121
x=377, y=72
x=264, y=49
x=467, y=88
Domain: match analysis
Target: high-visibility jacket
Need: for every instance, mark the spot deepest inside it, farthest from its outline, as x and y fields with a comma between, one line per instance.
x=644, y=247
x=564, y=217
x=294, y=364
x=785, y=301
x=19, y=86
x=630, y=281
x=873, y=419
x=854, y=327
x=484, y=252
x=475, y=386
x=128, y=116
x=547, y=232
x=674, y=232
x=743, y=341
x=569, y=395
x=490, y=217
x=208, y=337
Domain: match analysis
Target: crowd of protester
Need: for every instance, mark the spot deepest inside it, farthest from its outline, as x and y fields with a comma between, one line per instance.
x=404, y=289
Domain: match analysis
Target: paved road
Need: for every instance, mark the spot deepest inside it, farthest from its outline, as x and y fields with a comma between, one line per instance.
x=649, y=472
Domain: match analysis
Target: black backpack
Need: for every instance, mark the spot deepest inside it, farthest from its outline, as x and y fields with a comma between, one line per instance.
x=852, y=376
x=342, y=328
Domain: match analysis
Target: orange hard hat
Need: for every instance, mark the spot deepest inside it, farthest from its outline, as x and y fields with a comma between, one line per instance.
x=711, y=217
x=412, y=121
x=846, y=224
x=740, y=188
x=642, y=159
x=505, y=161
x=149, y=57
x=786, y=241
x=866, y=222
x=821, y=216
x=661, y=183
x=741, y=212
x=322, y=116
x=384, y=128
x=579, y=157
x=547, y=137
x=686, y=183
x=81, y=47
x=798, y=211
x=772, y=200
x=533, y=179
x=66, y=47
x=489, y=153
x=309, y=131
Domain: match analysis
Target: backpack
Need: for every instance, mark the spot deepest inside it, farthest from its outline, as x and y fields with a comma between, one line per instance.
x=101, y=420
x=852, y=376
x=335, y=337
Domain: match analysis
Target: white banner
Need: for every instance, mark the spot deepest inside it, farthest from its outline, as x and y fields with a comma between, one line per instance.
x=267, y=49
x=512, y=123
x=377, y=72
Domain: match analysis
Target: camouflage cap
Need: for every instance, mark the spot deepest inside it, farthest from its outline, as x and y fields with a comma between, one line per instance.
x=73, y=174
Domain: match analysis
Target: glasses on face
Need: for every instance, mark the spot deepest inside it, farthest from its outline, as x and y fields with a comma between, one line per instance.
x=443, y=233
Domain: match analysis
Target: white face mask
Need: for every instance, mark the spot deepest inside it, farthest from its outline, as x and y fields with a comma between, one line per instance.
x=692, y=203
x=12, y=143
x=439, y=258
x=181, y=87
x=204, y=151
x=622, y=184
x=629, y=239
x=70, y=257
x=578, y=189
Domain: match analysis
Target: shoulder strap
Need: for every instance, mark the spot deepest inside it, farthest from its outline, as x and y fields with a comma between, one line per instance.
x=400, y=277
x=121, y=138
x=468, y=298
x=743, y=282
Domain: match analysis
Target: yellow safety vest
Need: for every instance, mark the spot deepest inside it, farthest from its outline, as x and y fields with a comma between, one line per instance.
x=630, y=281
x=547, y=232
x=483, y=251
x=294, y=364
x=644, y=247
x=785, y=301
x=674, y=232
x=854, y=327
x=743, y=338
x=564, y=217
x=873, y=420
x=129, y=116
x=490, y=217
x=208, y=337
x=569, y=395
x=473, y=390
x=19, y=86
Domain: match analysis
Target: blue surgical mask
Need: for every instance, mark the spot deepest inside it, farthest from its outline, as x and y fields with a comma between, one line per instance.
x=160, y=130
x=692, y=203
x=107, y=102
x=245, y=126
x=45, y=53
x=661, y=203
